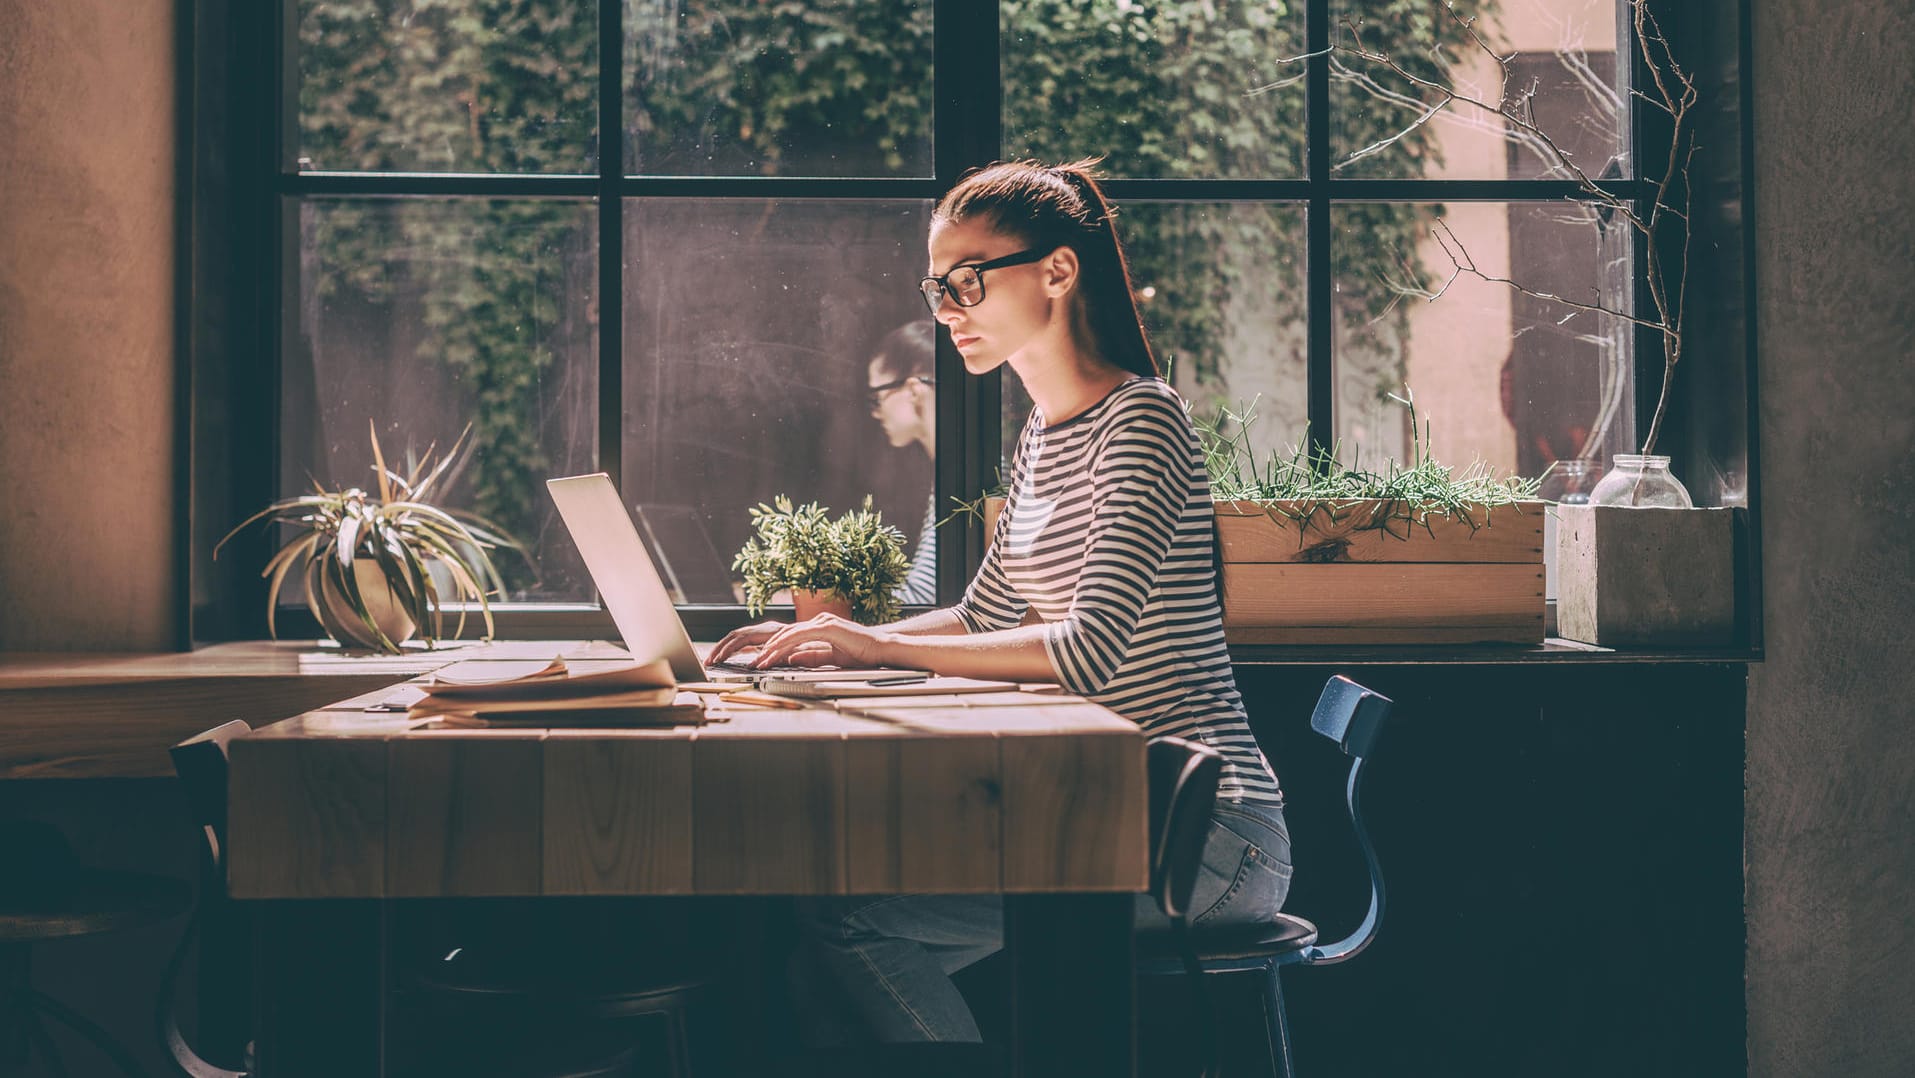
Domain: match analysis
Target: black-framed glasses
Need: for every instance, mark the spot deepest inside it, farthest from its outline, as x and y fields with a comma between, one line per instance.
x=965, y=284
x=877, y=394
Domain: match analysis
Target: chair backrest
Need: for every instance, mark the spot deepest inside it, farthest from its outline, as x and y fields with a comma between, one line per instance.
x=201, y=763
x=222, y=927
x=1183, y=788
x=1353, y=717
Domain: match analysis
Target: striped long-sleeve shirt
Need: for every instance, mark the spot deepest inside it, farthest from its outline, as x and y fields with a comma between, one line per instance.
x=1106, y=533
x=921, y=582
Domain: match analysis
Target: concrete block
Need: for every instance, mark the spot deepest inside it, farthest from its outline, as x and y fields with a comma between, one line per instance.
x=1645, y=577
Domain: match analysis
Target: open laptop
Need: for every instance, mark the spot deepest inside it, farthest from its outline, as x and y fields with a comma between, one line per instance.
x=636, y=596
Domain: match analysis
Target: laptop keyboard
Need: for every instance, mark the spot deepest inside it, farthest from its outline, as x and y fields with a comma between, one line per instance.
x=743, y=666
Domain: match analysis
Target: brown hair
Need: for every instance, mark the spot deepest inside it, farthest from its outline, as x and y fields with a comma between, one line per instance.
x=909, y=351
x=1062, y=206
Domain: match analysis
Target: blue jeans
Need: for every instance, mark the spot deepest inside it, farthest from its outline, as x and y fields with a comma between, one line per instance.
x=892, y=956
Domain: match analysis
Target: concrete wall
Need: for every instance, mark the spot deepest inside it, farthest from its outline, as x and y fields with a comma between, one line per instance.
x=86, y=324
x=1831, y=744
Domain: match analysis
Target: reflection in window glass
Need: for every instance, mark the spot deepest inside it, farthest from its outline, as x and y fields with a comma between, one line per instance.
x=751, y=327
x=1381, y=124
x=499, y=86
x=426, y=316
x=1219, y=286
x=748, y=88
x=1190, y=89
x=1513, y=380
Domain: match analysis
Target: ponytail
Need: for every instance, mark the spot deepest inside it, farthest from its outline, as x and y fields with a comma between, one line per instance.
x=1063, y=206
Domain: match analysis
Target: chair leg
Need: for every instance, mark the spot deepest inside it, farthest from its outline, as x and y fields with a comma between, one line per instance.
x=677, y=1042
x=85, y=1027
x=16, y=1006
x=1277, y=1024
x=43, y=1043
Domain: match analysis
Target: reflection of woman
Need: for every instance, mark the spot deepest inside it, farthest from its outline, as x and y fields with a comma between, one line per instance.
x=1107, y=534
x=901, y=380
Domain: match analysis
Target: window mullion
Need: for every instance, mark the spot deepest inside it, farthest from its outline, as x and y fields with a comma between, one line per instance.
x=611, y=236
x=1318, y=282
x=966, y=132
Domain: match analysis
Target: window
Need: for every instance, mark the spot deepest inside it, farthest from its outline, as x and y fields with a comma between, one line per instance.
x=665, y=238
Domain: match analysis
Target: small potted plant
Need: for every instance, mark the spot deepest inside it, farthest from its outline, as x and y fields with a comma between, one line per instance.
x=376, y=570
x=851, y=566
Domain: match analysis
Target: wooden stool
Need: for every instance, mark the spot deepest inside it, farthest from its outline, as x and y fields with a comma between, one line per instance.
x=45, y=894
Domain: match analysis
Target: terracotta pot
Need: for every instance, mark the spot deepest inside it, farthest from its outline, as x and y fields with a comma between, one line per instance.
x=809, y=604
x=388, y=613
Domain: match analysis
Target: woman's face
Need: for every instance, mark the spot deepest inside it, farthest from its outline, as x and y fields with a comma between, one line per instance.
x=1017, y=303
x=896, y=406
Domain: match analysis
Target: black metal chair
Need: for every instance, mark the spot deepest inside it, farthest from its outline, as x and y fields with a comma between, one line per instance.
x=200, y=763
x=46, y=894
x=1183, y=790
x=550, y=1017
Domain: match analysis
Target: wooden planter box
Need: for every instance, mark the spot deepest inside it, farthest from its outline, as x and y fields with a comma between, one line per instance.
x=1340, y=582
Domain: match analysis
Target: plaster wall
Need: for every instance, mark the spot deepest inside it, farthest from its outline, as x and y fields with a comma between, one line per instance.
x=1831, y=760
x=86, y=324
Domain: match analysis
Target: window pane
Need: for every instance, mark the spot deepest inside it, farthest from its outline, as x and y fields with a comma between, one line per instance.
x=750, y=330
x=1192, y=89
x=748, y=88
x=1219, y=286
x=495, y=86
x=1508, y=378
x=426, y=316
x=1565, y=49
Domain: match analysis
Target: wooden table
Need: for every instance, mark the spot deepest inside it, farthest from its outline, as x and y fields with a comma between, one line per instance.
x=93, y=716
x=339, y=811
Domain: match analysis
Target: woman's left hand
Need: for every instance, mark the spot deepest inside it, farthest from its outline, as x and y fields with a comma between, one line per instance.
x=851, y=644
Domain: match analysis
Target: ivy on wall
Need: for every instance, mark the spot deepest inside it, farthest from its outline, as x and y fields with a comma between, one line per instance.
x=485, y=86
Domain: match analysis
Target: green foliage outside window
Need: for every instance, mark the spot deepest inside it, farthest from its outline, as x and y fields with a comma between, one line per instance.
x=458, y=86
x=823, y=87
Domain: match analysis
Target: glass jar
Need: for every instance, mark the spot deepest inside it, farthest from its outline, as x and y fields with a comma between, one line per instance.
x=1568, y=482
x=1565, y=482
x=1643, y=482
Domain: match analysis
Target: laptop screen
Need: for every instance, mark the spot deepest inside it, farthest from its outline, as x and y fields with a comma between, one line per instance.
x=623, y=572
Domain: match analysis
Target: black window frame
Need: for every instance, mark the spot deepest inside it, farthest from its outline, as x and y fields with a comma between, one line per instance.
x=238, y=174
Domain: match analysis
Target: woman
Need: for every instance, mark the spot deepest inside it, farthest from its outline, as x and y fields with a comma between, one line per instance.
x=901, y=382
x=1107, y=533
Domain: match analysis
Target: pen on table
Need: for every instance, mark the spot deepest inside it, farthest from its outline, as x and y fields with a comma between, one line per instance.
x=756, y=698
x=901, y=679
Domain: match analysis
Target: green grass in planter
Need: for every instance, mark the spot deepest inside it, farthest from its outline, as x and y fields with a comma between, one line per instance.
x=1309, y=482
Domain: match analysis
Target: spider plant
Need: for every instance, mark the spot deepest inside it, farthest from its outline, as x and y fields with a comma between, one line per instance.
x=402, y=535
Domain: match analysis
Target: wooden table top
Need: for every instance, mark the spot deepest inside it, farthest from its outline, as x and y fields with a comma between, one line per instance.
x=85, y=716
x=80, y=716
x=992, y=793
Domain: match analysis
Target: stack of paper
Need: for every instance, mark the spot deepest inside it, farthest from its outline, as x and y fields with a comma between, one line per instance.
x=526, y=694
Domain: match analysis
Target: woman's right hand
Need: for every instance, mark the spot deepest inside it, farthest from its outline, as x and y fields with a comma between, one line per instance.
x=751, y=636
